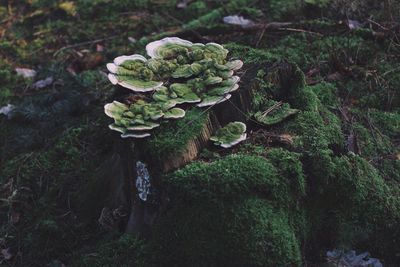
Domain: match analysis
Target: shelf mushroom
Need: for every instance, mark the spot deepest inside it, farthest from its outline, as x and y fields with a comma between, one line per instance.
x=230, y=135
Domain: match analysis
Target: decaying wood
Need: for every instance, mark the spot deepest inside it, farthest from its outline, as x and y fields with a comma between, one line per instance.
x=193, y=147
x=234, y=109
x=123, y=195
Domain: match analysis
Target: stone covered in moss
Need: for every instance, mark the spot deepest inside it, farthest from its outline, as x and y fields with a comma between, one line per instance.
x=235, y=175
x=350, y=204
x=239, y=207
x=356, y=206
x=246, y=233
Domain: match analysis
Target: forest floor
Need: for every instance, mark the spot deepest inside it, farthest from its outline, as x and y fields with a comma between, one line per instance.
x=343, y=151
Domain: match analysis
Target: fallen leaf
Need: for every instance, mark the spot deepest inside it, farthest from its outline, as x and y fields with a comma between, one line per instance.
x=286, y=139
x=14, y=217
x=43, y=83
x=85, y=62
x=183, y=3
x=238, y=20
x=336, y=76
x=132, y=40
x=353, y=24
x=7, y=255
x=7, y=110
x=26, y=73
x=99, y=48
x=69, y=7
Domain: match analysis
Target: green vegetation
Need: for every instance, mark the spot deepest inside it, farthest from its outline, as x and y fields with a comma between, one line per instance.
x=201, y=72
x=320, y=168
x=236, y=233
x=125, y=250
x=172, y=137
x=236, y=203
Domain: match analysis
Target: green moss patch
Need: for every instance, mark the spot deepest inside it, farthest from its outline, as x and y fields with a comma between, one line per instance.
x=248, y=232
x=172, y=137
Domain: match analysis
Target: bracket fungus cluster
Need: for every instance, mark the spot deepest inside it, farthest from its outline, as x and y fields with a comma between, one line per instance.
x=135, y=119
x=232, y=134
x=178, y=72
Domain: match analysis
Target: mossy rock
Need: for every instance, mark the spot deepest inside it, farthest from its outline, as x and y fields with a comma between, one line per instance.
x=239, y=233
x=316, y=130
x=215, y=204
x=358, y=208
x=231, y=177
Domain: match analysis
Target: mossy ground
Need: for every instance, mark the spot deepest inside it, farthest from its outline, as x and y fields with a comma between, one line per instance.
x=336, y=186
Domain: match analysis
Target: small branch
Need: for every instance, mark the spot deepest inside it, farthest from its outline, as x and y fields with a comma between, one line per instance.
x=272, y=108
x=85, y=43
x=377, y=24
x=300, y=30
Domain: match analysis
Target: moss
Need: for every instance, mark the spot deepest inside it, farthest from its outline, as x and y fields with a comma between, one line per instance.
x=387, y=123
x=65, y=158
x=360, y=209
x=289, y=165
x=47, y=181
x=172, y=137
x=279, y=178
x=215, y=204
x=316, y=127
x=126, y=250
x=308, y=51
x=326, y=93
x=249, y=54
x=197, y=8
x=290, y=170
x=371, y=142
x=209, y=19
x=299, y=95
x=8, y=81
x=389, y=169
x=315, y=131
x=283, y=9
x=239, y=233
x=230, y=177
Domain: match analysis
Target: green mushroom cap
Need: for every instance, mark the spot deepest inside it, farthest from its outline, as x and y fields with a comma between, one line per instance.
x=230, y=135
x=177, y=72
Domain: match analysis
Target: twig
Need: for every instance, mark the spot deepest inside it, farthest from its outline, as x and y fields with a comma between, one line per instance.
x=272, y=108
x=261, y=35
x=244, y=114
x=85, y=43
x=377, y=24
x=300, y=30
